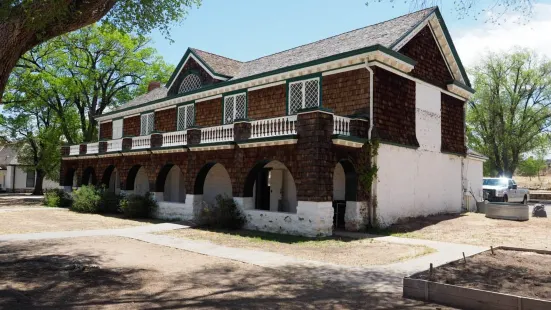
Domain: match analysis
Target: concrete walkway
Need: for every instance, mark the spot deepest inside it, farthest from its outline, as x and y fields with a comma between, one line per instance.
x=446, y=252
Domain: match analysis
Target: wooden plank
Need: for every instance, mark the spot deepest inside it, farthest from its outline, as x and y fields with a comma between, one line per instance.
x=485, y=297
x=464, y=302
x=418, y=294
x=535, y=304
x=414, y=283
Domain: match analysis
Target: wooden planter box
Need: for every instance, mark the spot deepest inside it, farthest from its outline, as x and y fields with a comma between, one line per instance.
x=469, y=298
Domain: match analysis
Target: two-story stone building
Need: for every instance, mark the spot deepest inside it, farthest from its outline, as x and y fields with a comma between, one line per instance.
x=283, y=134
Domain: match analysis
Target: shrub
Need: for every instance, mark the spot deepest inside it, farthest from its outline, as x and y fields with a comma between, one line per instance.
x=86, y=199
x=135, y=206
x=110, y=202
x=57, y=198
x=224, y=214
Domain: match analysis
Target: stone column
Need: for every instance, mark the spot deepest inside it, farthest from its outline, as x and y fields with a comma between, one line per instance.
x=359, y=127
x=65, y=150
x=102, y=147
x=314, y=149
x=242, y=130
x=156, y=139
x=127, y=143
x=82, y=149
x=193, y=135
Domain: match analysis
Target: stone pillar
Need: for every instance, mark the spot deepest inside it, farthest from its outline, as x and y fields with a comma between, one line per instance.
x=193, y=136
x=359, y=127
x=126, y=144
x=102, y=147
x=242, y=130
x=82, y=149
x=195, y=201
x=65, y=150
x=315, y=218
x=156, y=139
x=314, y=155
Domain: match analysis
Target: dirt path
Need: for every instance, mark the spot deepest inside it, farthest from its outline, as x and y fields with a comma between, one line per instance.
x=46, y=220
x=119, y=273
x=476, y=229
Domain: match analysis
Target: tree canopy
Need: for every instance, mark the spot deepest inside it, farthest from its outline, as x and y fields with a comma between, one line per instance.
x=82, y=74
x=25, y=24
x=510, y=113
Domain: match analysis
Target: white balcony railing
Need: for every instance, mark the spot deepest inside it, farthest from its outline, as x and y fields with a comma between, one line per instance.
x=141, y=142
x=114, y=145
x=175, y=138
x=217, y=134
x=272, y=127
x=341, y=125
x=74, y=149
x=92, y=148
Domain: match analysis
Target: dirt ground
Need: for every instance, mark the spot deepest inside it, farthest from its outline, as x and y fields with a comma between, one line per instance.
x=18, y=201
x=512, y=272
x=44, y=219
x=534, y=183
x=335, y=250
x=119, y=273
x=476, y=229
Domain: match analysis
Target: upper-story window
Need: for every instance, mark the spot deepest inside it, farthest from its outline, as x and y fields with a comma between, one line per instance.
x=235, y=107
x=304, y=94
x=117, y=129
x=147, y=124
x=190, y=82
x=186, y=116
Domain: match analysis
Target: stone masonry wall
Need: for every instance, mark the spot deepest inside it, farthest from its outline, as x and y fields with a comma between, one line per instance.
x=105, y=131
x=431, y=66
x=267, y=102
x=165, y=120
x=394, y=108
x=346, y=93
x=208, y=113
x=453, y=125
x=131, y=126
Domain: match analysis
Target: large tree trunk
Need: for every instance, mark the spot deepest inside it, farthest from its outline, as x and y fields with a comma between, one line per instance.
x=18, y=35
x=39, y=181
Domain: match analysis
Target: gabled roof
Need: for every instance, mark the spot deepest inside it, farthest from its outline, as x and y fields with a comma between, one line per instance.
x=8, y=155
x=384, y=33
x=219, y=64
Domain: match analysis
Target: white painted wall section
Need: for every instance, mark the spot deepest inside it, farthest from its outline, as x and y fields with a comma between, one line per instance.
x=473, y=173
x=141, y=183
x=339, y=182
x=423, y=181
x=175, y=190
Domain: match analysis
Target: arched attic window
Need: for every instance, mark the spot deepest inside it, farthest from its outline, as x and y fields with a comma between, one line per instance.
x=189, y=83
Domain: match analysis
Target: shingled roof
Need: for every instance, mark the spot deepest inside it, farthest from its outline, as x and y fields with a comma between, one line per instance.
x=386, y=34
x=219, y=64
x=154, y=94
x=8, y=155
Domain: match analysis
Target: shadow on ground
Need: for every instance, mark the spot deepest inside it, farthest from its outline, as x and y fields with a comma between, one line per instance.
x=81, y=281
x=412, y=224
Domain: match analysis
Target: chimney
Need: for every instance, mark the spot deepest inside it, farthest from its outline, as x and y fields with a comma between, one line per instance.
x=153, y=85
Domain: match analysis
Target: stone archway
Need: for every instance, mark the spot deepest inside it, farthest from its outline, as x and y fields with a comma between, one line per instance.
x=213, y=180
x=89, y=176
x=111, y=179
x=137, y=181
x=272, y=187
x=171, y=183
x=345, y=192
x=70, y=179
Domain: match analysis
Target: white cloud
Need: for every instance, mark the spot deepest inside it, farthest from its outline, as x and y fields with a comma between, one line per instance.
x=472, y=43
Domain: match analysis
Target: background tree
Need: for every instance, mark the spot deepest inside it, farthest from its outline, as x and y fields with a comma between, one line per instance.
x=34, y=130
x=476, y=8
x=82, y=74
x=531, y=166
x=25, y=24
x=510, y=113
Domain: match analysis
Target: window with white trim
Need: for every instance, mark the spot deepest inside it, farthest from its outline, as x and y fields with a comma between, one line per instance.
x=117, y=129
x=147, y=124
x=235, y=107
x=189, y=83
x=186, y=117
x=303, y=95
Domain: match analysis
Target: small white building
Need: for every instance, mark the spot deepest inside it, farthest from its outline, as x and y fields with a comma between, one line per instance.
x=13, y=178
x=472, y=178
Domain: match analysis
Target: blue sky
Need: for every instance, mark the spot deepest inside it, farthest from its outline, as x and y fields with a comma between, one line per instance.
x=247, y=29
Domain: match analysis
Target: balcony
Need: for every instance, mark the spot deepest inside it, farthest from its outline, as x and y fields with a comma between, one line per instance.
x=283, y=130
